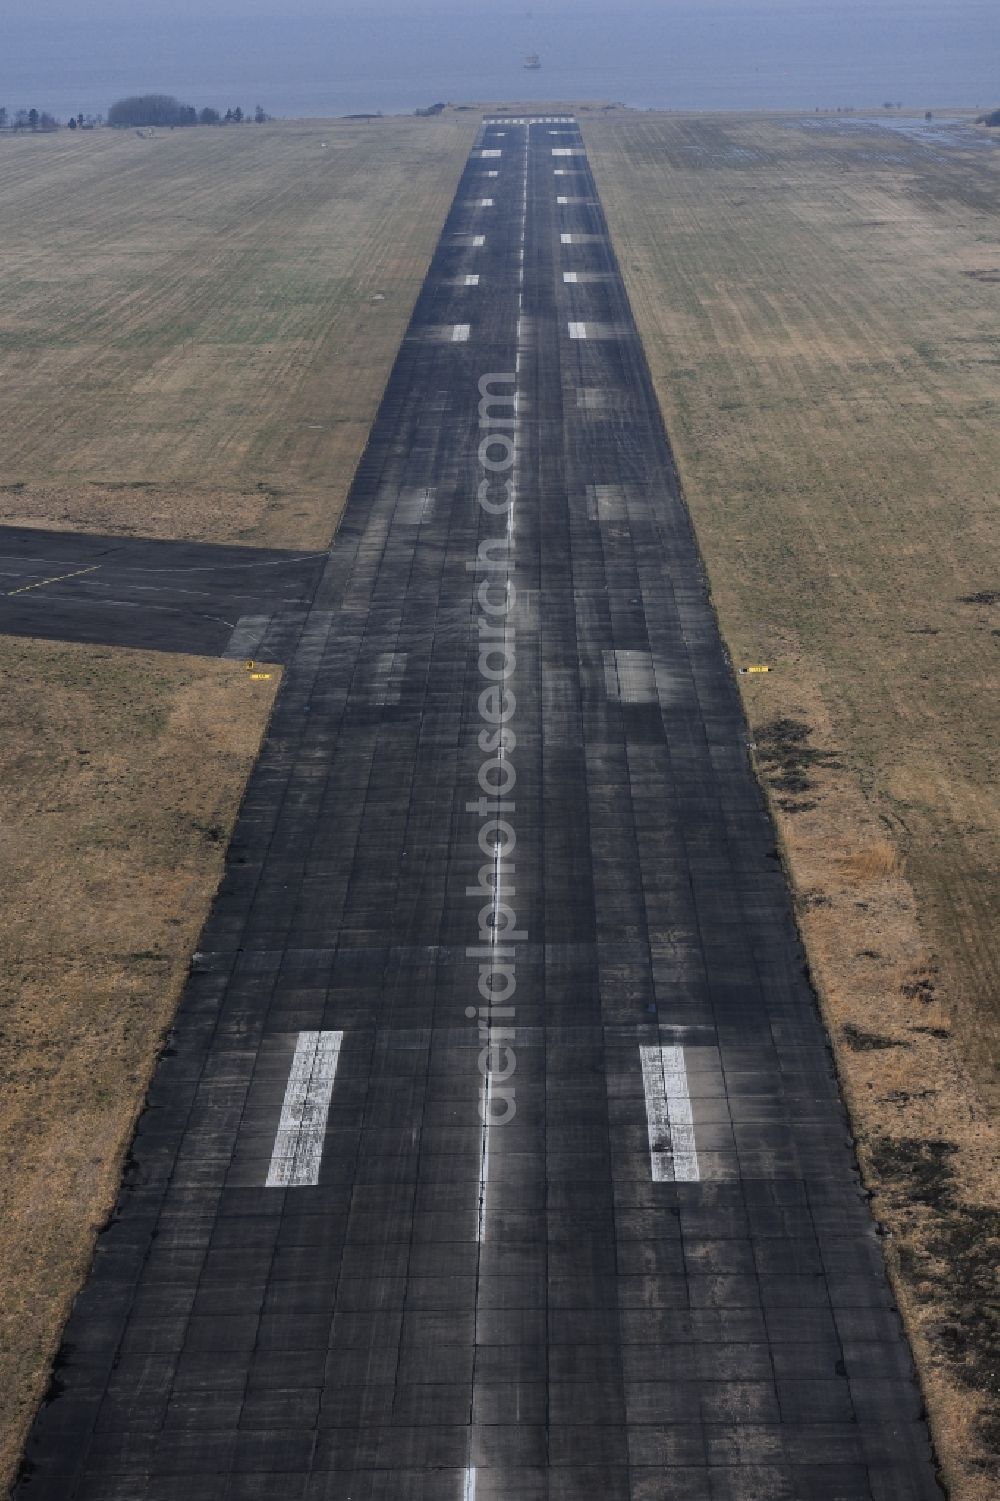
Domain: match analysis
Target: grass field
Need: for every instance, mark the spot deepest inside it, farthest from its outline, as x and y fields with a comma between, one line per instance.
x=188, y=341
x=122, y=772
x=819, y=301
x=189, y=348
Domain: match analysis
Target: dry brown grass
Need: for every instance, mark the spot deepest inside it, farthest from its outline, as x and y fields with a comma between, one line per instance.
x=122, y=774
x=877, y=862
x=824, y=346
x=187, y=341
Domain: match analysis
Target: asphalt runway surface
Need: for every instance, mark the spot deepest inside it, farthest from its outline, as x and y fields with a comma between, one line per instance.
x=497, y=1154
x=160, y=596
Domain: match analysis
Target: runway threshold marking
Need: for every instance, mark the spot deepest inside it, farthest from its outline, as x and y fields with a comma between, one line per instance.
x=460, y=333
x=472, y=281
x=298, y=1144
x=673, y=1156
x=570, y=276
x=578, y=330
x=59, y=579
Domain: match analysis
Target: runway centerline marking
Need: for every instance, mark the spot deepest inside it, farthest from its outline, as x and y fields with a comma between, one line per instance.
x=673, y=1156
x=61, y=578
x=298, y=1143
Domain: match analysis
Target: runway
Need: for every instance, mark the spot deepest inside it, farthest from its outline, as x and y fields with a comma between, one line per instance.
x=497, y=1153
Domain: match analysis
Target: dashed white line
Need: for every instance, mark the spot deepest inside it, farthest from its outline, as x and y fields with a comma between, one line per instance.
x=298, y=1144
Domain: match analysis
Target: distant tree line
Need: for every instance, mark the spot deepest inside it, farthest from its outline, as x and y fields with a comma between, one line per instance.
x=165, y=110
x=27, y=119
x=141, y=110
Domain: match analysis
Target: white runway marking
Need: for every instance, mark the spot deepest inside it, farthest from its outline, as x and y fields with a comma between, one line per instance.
x=566, y=239
x=298, y=1145
x=493, y=173
x=562, y=200
x=478, y=240
x=413, y=508
x=390, y=670
x=628, y=674
x=472, y=281
x=672, y=1154
x=607, y=503
x=460, y=333
x=570, y=276
x=567, y=151
x=491, y=153
x=486, y=203
x=533, y=120
x=578, y=330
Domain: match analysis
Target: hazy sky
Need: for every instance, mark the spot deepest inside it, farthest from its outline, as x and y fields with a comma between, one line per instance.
x=82, y=10
x=330, y=57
